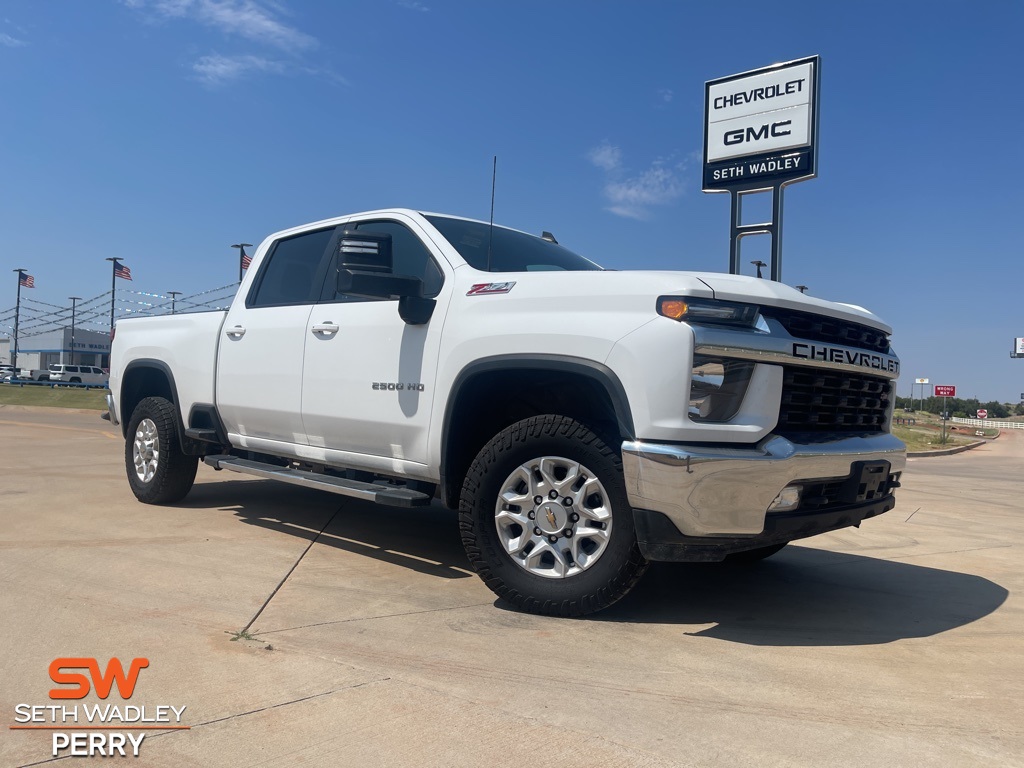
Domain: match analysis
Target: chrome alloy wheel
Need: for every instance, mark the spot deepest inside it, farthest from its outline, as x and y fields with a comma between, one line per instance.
x=146, y=450
x=554, y=517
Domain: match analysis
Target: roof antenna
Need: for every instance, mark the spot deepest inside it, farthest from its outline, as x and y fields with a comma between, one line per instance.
x=490, y=229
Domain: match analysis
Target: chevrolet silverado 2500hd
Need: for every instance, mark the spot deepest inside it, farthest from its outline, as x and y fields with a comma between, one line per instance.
x=583, y=421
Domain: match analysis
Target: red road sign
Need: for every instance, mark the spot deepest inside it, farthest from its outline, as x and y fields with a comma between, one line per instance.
x=982, y=413
x=942, y=390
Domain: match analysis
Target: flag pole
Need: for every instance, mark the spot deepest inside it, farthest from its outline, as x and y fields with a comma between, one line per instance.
x=113, y=286
x=241, y=258
x=74, y=301
x=17, y=317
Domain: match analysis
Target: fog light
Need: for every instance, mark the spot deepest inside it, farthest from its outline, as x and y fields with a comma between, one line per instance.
x=717, y=387
x=788, y=498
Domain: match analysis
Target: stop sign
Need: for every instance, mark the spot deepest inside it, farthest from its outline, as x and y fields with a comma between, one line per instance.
x=982, y=413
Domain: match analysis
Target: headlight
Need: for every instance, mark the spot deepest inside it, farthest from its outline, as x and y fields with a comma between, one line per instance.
x=710, y=311
x=717, y=387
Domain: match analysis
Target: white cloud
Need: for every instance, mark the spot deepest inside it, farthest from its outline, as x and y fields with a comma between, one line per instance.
x=244, y=18
x=11, y=42
x=605, y=156
x=413, y=5
x=632, y=197
x=665, y=94
x=218, y=70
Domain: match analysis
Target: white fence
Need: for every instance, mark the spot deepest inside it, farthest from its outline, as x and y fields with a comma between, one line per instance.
x=989, y=423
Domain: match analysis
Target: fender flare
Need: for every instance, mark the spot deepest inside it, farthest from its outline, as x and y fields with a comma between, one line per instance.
x=601, y=374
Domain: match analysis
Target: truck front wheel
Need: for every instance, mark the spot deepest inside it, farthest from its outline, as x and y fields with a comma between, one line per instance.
x=158, y=471
x=545, y=519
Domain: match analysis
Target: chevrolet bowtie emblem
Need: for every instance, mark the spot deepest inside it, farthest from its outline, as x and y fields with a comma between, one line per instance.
x=551, y=518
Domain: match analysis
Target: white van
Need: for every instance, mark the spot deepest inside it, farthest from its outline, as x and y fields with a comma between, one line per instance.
x=78, y=374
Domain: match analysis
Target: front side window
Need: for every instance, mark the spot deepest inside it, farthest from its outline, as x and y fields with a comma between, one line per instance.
x=510, y=251
x=291, y=268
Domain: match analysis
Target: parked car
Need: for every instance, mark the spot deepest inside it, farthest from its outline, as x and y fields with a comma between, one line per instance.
x=6, y=372
x=33, y=374
x=78, y=374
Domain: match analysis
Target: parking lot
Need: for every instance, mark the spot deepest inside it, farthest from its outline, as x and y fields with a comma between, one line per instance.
x=899, y=643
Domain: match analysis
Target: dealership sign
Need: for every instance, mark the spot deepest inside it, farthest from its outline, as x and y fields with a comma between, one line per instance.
x=760, y=127
x=1018, y=347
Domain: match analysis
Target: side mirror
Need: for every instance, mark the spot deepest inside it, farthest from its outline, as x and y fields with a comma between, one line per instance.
x=365, y=268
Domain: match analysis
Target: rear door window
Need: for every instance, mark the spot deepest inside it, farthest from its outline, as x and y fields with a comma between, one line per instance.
x=293, y=272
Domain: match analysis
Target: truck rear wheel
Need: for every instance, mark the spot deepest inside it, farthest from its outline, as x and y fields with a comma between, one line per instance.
x=545, y=519
x=158, y=471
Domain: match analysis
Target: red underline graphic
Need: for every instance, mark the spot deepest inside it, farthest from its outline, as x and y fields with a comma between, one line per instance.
x=100, y=727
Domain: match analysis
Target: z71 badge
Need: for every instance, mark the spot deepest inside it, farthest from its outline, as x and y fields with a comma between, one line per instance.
x=397, y=386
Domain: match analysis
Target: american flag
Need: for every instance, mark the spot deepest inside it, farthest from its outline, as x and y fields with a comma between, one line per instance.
x=25, y=280
x=246, y=260
x=120, y=270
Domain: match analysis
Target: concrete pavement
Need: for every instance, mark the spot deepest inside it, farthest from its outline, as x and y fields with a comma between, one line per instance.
x=895, y=644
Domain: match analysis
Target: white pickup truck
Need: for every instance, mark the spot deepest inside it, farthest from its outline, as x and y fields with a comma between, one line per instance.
x=582, y=421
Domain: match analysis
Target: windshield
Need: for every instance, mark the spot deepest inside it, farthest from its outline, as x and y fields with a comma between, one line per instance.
x=511, y=251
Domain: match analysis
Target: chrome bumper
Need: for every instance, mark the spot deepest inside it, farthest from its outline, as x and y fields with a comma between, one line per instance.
x=707, y=491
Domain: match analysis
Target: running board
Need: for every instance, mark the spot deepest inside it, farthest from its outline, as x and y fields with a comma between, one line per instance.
x=378, y=494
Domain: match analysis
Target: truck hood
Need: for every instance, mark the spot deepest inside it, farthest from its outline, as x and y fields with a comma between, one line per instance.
x=638, y=290
x=755, y=290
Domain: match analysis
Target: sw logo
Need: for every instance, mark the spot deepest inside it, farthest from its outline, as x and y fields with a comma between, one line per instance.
x=80, y=729
x=102, y=682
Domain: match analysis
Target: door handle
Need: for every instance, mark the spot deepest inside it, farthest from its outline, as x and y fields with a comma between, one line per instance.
x=236, y=333
x=325, y=328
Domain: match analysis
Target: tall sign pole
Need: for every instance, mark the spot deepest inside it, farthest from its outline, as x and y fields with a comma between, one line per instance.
x=113, y=286
x=944, y=391
x=17, y=317
x=174, y=299
x=74, y=301
x=761, y=135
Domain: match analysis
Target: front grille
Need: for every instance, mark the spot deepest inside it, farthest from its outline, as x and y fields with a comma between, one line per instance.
x=804, y=325
x=832, y=401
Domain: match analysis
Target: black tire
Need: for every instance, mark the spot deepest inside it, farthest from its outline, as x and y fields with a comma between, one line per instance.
x=173, y=474
x=751, y=556
x=75, y=380
x=614, y=571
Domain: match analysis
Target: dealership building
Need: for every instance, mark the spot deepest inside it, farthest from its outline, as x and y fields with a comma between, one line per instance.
x=46, y=349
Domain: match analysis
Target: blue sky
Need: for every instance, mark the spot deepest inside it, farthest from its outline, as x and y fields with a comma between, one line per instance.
x=162, y=131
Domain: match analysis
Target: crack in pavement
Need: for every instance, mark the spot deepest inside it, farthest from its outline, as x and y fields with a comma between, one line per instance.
x=371, y=618
x=278, y=705
x=291, y=570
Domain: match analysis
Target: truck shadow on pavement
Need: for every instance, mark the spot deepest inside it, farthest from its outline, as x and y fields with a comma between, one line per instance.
x=425, y=539
x=809, y=597
x=800, y=597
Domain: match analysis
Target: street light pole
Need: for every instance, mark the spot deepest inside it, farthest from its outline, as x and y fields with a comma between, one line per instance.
x=802, y=288
x=74, y=301
x=174, y=297
x=759, y=264
x=113, y=286
x=17, y=317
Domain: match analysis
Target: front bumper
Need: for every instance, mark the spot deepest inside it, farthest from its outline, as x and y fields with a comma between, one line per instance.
x=725, y=492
